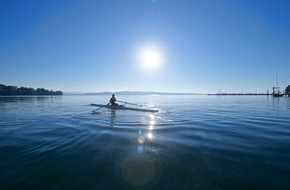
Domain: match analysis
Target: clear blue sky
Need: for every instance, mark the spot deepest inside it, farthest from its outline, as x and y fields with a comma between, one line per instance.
x=93, y=45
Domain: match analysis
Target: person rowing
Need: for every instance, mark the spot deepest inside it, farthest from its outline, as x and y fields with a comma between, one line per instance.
x=113, y=105
x=113, y=100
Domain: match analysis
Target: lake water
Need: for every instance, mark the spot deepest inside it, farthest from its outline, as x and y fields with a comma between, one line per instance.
x=194, y=142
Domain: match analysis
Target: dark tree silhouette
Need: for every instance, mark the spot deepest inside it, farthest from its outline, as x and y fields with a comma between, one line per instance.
x=287, y=90
x=15, y=91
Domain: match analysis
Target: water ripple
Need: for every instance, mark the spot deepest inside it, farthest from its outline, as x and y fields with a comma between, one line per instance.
x=196, y=142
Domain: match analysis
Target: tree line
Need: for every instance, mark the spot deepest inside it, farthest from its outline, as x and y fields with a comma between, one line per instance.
x=22, y=91
x=287, y=90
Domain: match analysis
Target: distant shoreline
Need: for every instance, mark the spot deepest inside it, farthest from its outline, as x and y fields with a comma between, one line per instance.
x=141, y=93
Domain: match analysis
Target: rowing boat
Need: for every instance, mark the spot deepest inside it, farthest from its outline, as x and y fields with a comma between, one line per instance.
x=122, y=107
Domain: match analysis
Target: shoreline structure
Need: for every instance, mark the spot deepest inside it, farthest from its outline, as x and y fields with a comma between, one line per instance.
x=247, y=94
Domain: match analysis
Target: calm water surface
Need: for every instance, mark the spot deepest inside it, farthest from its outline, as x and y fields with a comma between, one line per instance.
x=195, y=142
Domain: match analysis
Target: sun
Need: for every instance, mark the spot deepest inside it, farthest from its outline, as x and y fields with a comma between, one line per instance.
x=150, y=58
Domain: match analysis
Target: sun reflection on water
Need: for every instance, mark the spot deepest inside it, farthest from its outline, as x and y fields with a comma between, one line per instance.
x=149, y=135
x=141, y=139
x=139, y=169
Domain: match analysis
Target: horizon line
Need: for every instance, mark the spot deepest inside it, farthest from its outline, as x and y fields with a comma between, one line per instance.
x=134, y=93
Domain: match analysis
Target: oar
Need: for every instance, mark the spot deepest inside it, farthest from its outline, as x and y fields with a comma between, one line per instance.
x=99, y=108
x=129, y=103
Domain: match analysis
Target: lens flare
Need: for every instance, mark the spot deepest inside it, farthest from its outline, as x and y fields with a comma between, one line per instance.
x=140, y=148
x=141, y=140
x=139, y=171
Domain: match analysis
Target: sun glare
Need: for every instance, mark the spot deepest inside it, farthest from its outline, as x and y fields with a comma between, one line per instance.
x=150, y=58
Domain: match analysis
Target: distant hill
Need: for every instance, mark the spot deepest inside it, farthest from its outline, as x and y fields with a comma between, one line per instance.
x=139, y=93
x=24, y=91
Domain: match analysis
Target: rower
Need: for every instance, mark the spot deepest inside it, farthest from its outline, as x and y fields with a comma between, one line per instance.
x=113, y=100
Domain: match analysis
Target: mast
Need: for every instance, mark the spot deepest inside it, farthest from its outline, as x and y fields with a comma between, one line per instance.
x=277, y=80
x=276, y=89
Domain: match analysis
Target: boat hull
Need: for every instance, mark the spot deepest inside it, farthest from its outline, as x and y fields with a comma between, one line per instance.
x=121, y=107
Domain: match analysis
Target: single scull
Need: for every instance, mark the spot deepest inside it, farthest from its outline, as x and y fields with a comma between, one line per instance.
x=122, y=107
